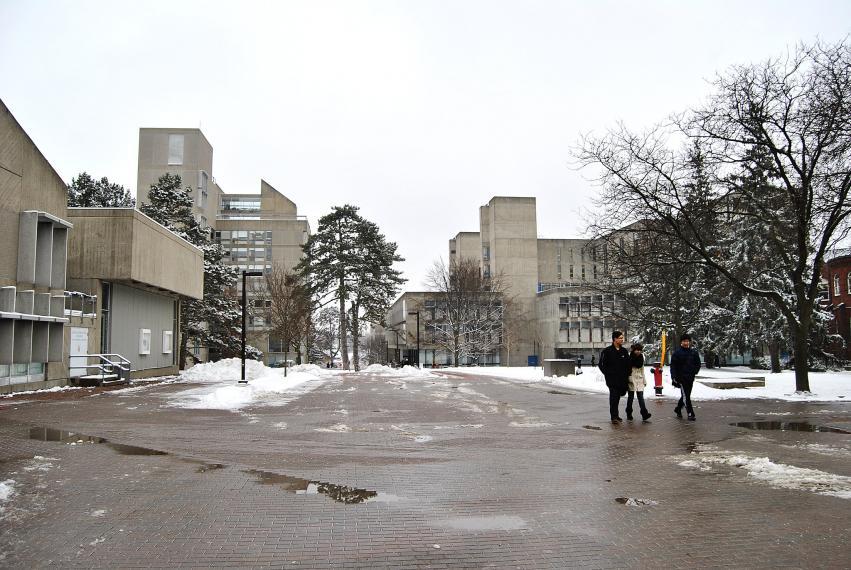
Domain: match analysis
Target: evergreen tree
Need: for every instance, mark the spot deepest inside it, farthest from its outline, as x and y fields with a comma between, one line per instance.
x=216, y=320
x=349, y=262
x=84, y=191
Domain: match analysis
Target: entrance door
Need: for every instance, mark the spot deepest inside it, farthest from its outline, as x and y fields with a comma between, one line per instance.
x=77, y=350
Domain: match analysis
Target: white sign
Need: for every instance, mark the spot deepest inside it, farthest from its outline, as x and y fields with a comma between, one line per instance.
x=144, y=341
x=167, y=336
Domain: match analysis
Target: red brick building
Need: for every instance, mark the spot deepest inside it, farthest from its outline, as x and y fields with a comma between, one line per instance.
x=837, y=272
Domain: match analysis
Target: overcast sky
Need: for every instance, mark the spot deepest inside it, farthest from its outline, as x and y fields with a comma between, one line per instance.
x=418, y=112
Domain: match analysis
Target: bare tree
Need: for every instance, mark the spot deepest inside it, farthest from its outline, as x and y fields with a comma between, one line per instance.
x=469, y=310
x=289, y=308
x=326, y=328
x=797, y=110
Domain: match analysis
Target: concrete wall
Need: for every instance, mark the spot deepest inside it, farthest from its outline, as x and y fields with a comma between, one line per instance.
x=197, y=156
x=134, y=309
x=122, y=244
x=274, y=203
x=465, y=245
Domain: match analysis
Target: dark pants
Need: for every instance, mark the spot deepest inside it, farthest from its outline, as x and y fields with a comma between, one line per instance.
x=685, y=396
x=641, y=405
x=614, y=401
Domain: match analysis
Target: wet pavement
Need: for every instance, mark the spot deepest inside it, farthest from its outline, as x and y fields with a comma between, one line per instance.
x=456, y=471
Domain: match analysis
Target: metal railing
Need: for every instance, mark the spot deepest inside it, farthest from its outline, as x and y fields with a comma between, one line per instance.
x=107, y=365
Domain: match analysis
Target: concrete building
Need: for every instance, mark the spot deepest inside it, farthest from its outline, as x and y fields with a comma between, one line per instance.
x=557, y=313
x=410, y=333
x=135, y=272
x=185, y=152
x=257, y=231
x=34, y=230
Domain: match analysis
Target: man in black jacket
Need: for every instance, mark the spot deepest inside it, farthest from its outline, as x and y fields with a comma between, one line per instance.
x=685, y=364
x=615, y=366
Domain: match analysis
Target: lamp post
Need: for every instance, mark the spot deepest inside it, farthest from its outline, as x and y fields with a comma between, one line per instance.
x=417, y=313
x=245, y=274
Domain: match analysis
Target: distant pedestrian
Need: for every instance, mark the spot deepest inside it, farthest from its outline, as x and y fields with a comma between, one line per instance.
x=615, y=366
x=636, y=382
x=685, y=364
x=593, y=360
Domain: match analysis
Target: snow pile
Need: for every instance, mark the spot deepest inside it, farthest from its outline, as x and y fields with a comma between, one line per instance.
x=405, y=371
x=7, y=489
x=778, y=475
x=825, y=386
x=222, y=390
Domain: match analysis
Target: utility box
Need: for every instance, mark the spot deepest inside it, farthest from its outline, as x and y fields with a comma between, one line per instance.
x=559, y=366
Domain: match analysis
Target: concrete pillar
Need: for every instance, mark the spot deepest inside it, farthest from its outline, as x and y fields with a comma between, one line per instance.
x=24, y=302
x=40, y=336
x=27, y=238
x=59, y=258
x=56, y=339
x=44, y=254
x=7, y=299
x=7, y=339
x=41, y=304
x=23, y=341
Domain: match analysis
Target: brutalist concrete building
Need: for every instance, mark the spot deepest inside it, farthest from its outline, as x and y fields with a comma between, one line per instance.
x=257, y=231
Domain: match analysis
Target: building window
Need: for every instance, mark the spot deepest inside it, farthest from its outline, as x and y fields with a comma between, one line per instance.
x=571, y=272
x=105, y=320
x=167, y=342
x=836, y=285
x=175, y=149
x=848, y=283
x=202, y=189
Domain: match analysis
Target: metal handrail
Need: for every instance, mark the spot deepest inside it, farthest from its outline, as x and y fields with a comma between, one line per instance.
x=116, y=364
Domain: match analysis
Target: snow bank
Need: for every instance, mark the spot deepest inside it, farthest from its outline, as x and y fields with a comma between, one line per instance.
x=778, y=475
x=46, y=390
x=221, y=389
x=7, y=489
x=824, y=386
x=405, y=371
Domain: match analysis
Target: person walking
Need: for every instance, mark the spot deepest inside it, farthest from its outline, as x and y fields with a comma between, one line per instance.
x=615, y=366
x=636, y=382
x=685, y=364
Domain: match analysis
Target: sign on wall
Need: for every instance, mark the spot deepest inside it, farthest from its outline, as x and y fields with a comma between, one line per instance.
x=144, y=341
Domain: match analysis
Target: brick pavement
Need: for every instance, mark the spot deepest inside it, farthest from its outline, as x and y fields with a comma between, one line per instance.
x=411, y=473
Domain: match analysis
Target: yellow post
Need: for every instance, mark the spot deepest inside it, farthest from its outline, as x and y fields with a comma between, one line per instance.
x=664, y=338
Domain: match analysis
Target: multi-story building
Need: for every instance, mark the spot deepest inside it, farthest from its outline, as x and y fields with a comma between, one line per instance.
x=258, y=232
x=837, y=273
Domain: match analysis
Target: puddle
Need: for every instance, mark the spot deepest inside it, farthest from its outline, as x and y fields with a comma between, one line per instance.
x=209, y=467
x=498, y=522
x=298, y=486
x=74, y=438
x=789, y=426
x=635, y=502
x=592, y=427
x=558, y=392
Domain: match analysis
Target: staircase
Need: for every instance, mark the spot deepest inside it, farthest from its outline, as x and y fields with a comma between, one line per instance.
x=108, y=369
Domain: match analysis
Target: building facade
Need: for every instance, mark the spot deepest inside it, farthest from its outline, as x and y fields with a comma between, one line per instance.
x=134, y=273
x=837, y=273
x=259, y=232
x=557, y=312
x=34, y=232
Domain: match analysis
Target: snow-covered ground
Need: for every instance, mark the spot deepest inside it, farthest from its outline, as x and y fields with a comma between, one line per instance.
x=824, y=386
x=219, y=386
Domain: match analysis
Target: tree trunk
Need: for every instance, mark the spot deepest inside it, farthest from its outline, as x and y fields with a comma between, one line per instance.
x=774, y=352
x=802, y=357
x=344, y=349
x=355, y=338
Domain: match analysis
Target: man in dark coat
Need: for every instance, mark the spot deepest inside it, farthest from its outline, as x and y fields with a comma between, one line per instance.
x=615, y=366
x=685, y=364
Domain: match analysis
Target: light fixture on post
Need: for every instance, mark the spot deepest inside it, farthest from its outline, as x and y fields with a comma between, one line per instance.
x=417, y=313
x=245, y=274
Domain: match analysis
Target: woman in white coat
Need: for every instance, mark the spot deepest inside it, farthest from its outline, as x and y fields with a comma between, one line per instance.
x=636, y=382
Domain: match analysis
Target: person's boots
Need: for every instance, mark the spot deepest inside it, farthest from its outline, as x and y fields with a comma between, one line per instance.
x=679, y=411
x=691, y=417
x=645, y=415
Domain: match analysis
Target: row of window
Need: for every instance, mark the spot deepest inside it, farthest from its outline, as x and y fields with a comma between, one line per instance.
x=241, y=204
x=255, y=253
x=256, y=236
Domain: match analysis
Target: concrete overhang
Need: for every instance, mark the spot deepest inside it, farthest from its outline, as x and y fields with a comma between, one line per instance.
x=122, y=244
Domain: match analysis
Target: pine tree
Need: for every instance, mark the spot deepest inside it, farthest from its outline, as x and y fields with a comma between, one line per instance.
x=86, y=192
x=216, y=320
x=348, y=261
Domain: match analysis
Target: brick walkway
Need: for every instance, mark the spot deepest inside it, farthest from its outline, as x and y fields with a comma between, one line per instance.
x=409, y=473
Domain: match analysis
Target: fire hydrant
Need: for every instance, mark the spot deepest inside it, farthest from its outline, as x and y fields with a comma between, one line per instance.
x=657, y=379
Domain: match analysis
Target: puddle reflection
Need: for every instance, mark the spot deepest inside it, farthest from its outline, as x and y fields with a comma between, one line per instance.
x=339, y=493
x=789, y=426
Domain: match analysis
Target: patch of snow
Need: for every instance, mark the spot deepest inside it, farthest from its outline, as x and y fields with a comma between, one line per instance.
x=98, y=513
x=825, y=386
x=45, y=391
x=423, y=438
x=338, y=428
x=529, y=424
x=405, y=371
x=7, y=489
x=777, y=475
x=220, y=388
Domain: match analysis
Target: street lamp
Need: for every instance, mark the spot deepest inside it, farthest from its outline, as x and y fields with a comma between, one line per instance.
x=417, y=313
x=245, y=274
